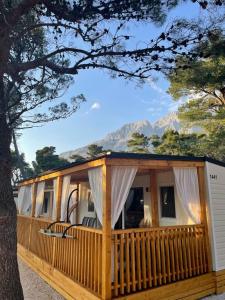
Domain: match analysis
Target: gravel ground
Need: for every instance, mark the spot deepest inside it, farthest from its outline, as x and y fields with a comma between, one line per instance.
x=34, y=287
x=219, y=297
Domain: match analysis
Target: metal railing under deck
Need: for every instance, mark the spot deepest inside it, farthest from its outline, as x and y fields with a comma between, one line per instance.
x=146, y=258
x=78, y=258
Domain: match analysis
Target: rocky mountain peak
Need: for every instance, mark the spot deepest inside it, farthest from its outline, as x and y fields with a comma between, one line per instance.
x=117, y=140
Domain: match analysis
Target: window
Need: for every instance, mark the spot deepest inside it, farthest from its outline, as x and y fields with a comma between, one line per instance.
x=133, y=211
x=91, y=206
x=47, y=204
x=167, y=202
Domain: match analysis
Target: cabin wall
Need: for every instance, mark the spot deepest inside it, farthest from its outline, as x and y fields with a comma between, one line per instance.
x=163, y=179
x=216, y=213
x=167, y=179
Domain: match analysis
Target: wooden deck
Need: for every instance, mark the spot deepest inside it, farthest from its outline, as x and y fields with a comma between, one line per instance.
x=171, y=260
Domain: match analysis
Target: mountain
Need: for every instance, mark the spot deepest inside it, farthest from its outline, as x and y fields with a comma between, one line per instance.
x=117, y=140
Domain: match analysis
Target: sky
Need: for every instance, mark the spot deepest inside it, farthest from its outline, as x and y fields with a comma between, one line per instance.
x=110, y=103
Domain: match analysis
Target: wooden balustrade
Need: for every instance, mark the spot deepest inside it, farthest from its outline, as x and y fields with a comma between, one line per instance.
x=41, y=245
x=79, y=258
x=150, y=257
x=141, y=258
x=23, y=231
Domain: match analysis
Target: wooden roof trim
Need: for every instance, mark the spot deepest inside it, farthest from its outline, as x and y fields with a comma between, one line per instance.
x=140, y=163
x=154, y=164
x=68, y=171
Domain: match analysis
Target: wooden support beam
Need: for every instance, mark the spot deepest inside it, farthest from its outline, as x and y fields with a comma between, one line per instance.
x=58, y=197
x=153, y=164
x=154, y=198
x=106, y=234
x=78, y=198
x=66, y=171
x=203, y=217
x=202, y=195
x=33, y=199
x=140, y=163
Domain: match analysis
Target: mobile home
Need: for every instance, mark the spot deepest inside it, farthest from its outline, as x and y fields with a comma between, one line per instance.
x=127, y=226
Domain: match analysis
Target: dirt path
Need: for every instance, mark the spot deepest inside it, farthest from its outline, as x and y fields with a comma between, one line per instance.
x=34, y=287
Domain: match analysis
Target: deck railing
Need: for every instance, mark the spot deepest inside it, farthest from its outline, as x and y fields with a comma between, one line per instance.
x=146, y=258
x=141, y=258
x=79, y=258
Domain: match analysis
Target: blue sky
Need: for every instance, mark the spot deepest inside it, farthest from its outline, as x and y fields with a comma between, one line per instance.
x=110, y=103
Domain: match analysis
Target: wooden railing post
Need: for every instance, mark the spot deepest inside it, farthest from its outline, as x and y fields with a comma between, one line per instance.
x=203, y=217
x=58, y=197
x=154, y=198
x=33, y=207
x=106, y=234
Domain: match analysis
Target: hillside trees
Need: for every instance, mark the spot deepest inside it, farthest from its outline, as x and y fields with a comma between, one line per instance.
x=59, y=39
x=94, y=150
x=77, y=158
x=174, y=143
x=46, y=159
x=139, y=143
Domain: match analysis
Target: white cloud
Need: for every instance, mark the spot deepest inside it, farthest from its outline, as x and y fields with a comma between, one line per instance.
x=95, y=105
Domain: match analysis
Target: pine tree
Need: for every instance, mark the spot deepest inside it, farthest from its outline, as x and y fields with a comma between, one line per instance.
x=139, y=143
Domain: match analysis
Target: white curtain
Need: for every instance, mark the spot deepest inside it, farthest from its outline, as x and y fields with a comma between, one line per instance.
x=26, y=208
x=121, y=180
x=54, y=199
x=186, y=180
x=65, y=196
x=24, y=199
x=20, y=198
x=95, y=180
x=39, y=198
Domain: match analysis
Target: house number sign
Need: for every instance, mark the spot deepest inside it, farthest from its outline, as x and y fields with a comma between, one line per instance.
x=213, y=176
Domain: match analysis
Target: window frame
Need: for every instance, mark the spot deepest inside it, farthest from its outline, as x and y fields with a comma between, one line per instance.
x=48, y=214
x=160, y=202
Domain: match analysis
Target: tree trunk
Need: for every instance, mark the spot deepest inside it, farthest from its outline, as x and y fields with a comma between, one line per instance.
x=10, y=286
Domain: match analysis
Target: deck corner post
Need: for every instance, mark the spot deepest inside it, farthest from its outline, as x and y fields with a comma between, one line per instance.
x=154, y=198
x=203, y=216
x=106, y=233
x=58, y=197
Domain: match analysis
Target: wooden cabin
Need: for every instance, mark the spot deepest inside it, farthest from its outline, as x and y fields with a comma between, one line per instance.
x=127, y=226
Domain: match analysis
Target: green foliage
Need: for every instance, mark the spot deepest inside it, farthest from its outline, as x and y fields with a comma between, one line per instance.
x=175, y=143
x=77, y=158
x=214, y=143
x=191, y=144
x=203, y=82
x=46, y=159
x=16, y=167
x=139, y=143
x=94, y=150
